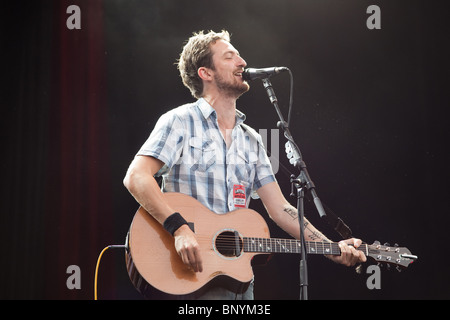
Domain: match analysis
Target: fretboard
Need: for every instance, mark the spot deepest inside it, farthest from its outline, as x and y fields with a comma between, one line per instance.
x=274, y=245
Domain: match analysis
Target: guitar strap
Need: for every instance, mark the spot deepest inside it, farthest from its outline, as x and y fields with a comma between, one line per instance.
x=331, y=218
x=335, y=222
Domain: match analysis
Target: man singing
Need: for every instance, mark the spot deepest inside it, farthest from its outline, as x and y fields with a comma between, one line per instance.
x=202, y=149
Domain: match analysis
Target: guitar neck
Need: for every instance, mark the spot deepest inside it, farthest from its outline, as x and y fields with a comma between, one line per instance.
x=274, y=245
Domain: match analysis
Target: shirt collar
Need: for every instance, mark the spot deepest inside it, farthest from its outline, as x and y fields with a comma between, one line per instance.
x=206, y=109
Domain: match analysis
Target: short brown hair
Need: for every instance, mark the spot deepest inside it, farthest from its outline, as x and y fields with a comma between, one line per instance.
x=197, y=53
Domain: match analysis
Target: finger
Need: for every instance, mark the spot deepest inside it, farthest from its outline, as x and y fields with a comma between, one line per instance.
x=355, y=256
x=191, y=258
x=198, y=260
x=347, y=253
x=359, y=257
x=184, y=257
x=183, y=252
x=344, y=251
x=354, y=242
x=357, y=243
x=362, y=257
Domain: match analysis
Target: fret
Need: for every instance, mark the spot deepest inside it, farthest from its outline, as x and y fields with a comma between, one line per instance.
x=286, y=249
x=311, y=247
x=335, y=249
x=269, y=245
x=327, y=247
x=282, y=246
x=295, y=247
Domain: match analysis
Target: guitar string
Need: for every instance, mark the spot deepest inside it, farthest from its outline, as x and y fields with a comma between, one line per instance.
x=282, y=248
x=229, y=242
x=232, y=239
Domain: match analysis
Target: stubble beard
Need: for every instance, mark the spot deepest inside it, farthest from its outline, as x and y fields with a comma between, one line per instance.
x=234, y=90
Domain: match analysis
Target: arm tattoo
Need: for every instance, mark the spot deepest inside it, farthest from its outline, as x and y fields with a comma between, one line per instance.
x=291, y=211
x=314, y=235
x=310, y=231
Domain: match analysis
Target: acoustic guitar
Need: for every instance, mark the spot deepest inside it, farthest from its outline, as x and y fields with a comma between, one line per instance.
x=228, y=242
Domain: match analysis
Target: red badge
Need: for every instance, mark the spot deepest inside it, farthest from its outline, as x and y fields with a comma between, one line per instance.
x=239, y=196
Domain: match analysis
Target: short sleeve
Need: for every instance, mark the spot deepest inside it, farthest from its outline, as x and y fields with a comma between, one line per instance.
x=264, y=173
x=165, y=141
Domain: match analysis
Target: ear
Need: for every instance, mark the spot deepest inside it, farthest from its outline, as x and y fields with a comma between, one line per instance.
x=204, y=73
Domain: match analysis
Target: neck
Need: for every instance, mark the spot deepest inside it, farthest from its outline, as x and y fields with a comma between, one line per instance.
x=225, y=109
x=226, y=114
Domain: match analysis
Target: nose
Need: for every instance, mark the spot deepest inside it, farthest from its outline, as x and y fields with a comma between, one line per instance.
x=241, y=62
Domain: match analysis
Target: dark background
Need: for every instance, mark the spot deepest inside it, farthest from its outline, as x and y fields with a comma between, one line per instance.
x=369, y=116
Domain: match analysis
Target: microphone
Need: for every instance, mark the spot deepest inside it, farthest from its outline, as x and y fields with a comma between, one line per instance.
x=252, y=74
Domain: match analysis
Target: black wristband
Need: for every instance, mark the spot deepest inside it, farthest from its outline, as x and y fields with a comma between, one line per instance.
x=173, y=222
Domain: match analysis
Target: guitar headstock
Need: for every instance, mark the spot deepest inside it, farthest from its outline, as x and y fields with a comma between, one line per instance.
x=392, y=255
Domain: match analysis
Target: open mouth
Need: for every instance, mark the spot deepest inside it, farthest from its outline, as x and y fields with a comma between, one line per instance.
x=239, y=74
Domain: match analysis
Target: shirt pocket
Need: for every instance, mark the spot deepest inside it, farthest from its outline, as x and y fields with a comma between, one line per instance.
x=246, y=167
x=202, y=154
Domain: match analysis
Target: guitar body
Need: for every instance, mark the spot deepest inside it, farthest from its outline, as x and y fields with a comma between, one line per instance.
x=156, y=269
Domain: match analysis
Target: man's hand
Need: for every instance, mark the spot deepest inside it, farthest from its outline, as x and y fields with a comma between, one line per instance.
x=349, y=253
x=187, y=247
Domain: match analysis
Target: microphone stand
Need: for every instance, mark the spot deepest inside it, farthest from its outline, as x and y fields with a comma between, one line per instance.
x=300, y=183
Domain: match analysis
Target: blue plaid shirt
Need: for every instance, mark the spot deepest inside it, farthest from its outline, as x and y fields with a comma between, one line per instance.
x=197, y=162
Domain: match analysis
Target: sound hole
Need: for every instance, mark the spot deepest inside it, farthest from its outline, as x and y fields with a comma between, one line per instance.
x=229, y=244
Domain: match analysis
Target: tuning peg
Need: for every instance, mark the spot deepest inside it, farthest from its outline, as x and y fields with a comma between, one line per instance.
x=398, y=269
x=396, y=245
x=387, y=244
x=388, y=267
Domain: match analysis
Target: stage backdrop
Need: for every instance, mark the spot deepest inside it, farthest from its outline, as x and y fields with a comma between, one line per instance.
x=85, y=84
